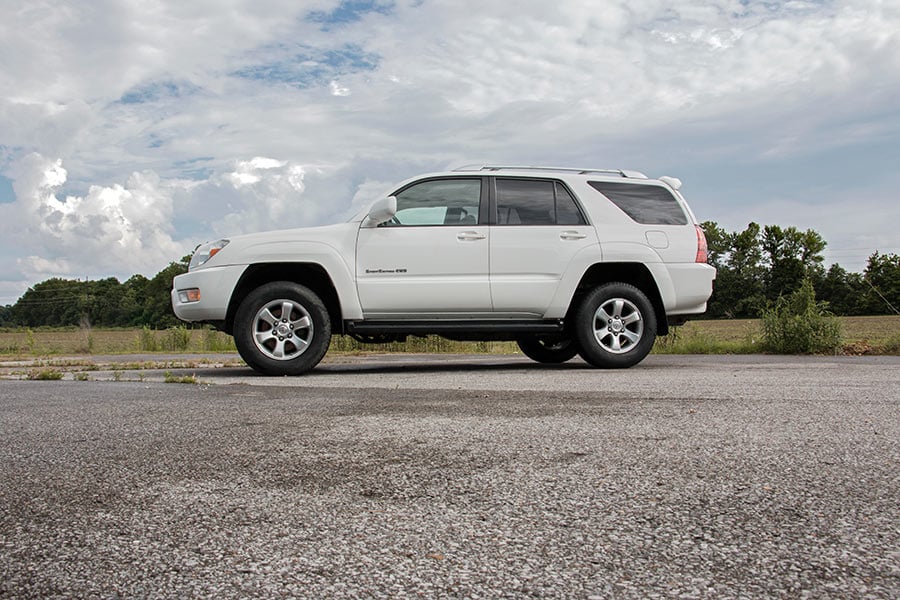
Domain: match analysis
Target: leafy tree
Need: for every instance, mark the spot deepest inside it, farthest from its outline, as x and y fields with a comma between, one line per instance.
x=134, y=297
x=60, y=302
x=882, y=276
x=791, y=255
x=759, y=264
x=157, y=295
x=104, y=303
x=738, y=291
x=843, y=291
x=53, y=302
x=746, y=262
x=718, y=243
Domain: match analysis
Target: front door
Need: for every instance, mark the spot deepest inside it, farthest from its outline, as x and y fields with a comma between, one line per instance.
x=431, y=260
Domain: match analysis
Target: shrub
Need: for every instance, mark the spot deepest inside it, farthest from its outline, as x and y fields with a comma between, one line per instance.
x=797, y=324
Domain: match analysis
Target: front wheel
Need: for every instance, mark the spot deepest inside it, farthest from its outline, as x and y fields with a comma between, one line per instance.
x=615, y=325
x=282, y=328
x=548, y=350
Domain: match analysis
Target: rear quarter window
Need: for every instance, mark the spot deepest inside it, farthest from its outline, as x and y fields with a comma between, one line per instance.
x=645, y=204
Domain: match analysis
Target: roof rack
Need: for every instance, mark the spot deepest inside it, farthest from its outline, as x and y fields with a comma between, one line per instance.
x=620, y=172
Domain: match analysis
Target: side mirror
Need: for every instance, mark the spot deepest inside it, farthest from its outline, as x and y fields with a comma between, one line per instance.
x=381, y=211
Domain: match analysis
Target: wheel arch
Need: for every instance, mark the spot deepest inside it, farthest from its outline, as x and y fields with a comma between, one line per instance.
x=311, y=275
x=636, y=274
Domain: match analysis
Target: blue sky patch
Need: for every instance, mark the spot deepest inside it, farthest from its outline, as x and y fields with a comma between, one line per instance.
x=156, y=91
x=6, y=190
x=196, y=169
x=307, y=67
x=349, y=11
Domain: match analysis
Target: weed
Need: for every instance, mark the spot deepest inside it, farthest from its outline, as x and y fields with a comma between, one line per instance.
x=147, y=340
x=168, y=377
x=177, y=339
x=81, y=376
x=87, y=337
x=44, y=375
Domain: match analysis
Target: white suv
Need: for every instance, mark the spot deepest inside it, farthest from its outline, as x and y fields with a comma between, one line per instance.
x=563, y=261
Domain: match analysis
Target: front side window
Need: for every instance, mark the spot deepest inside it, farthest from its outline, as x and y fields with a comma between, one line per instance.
x=646, y=204
x=535, y=202
x=439, y=202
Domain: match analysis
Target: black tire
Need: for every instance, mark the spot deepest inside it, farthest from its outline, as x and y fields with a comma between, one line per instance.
x=548, y=349
x=615, y=326
x=282, y=328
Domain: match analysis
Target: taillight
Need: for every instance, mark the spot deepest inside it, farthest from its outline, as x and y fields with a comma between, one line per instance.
x=701, y=245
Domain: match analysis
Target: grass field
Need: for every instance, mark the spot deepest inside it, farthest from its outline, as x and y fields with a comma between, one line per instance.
x=862, y=335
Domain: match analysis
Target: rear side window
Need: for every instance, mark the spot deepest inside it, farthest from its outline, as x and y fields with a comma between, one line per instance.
x=646, y=204
x=535, y=202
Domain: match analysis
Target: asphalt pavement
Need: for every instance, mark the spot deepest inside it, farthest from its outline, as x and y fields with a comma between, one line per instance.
x=457, y=477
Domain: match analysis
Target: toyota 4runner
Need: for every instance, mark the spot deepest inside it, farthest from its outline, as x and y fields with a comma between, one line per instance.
x=563, y=261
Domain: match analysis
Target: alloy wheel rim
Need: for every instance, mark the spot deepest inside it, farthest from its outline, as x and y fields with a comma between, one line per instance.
x=282, y=329
x=618, y=325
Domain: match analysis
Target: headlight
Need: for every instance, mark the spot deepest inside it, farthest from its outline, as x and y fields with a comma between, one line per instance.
x=206, y=252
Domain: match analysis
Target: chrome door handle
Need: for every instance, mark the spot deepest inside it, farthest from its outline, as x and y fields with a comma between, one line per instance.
x=469, y=235
x=572, y=235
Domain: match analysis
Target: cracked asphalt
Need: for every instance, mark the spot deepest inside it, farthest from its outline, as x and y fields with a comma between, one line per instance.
x=458, y=477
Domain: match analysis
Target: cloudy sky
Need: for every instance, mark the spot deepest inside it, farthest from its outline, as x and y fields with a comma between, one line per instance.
x=131, y=131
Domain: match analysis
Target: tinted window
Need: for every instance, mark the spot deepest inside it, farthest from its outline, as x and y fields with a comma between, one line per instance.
x=647, y=204
x=439, y=202
x=567, y=212
x=533, y=202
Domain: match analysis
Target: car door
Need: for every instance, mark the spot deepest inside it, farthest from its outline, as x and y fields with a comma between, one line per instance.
x=431, y=259
x=539, y=229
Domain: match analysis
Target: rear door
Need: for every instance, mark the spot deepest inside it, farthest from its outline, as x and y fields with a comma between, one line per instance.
x=539, y=229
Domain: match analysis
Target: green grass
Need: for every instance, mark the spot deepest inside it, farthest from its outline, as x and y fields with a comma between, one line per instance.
x=862, y=335
x=68, y=341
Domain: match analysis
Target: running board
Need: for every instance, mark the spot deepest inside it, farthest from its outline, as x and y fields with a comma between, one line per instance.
x=454, y=327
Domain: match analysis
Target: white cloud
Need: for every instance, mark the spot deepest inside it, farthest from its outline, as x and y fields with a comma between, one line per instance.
x=338, y=90
x=135, y=130
x=109, y=229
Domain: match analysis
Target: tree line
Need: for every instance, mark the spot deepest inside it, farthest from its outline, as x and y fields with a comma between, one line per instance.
x=138, y=302
x=758, y=265
x=755, y=266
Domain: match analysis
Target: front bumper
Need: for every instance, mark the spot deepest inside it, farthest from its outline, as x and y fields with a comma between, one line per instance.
x=216, y=285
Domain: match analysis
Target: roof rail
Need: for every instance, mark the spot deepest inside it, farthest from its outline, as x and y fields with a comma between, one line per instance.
x=619, y=172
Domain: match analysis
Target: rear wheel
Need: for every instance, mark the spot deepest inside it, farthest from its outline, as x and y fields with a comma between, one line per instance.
x=615, y=326
x=548, y=349
x=282, y=328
